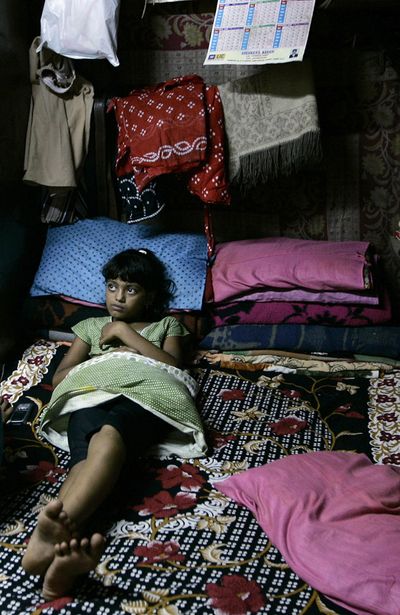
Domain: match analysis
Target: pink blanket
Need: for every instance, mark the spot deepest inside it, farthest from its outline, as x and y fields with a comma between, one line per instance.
x=335, y=517
x=281, y=312
x=246, y=266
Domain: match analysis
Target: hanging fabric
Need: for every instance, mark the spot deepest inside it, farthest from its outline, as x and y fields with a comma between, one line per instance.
x=161, y=129
x=59, y=124
x=271, y=123
x=139, y=205
x=174, y=127
x=210, y=182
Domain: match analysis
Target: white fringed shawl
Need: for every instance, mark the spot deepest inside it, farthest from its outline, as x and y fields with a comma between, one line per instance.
x=271, y=123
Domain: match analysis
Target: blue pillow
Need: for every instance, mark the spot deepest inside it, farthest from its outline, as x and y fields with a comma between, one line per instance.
x=75, y=254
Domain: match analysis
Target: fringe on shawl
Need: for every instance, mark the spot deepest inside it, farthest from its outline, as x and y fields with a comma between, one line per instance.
x=282, y=159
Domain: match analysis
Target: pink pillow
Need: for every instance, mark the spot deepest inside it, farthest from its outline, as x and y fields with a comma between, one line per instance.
x=282, y=262
x=335, y=517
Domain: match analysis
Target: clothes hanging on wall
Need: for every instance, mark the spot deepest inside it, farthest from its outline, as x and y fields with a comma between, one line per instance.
x=173, y=127
x=59, y=123
x=161, y=129
x=210, y=182
x=271, y=123
x=139, y=206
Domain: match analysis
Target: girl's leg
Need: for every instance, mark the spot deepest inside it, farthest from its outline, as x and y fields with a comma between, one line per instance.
x=85, y=488
x=92, y=480
x=96, y=470
x=127, y=431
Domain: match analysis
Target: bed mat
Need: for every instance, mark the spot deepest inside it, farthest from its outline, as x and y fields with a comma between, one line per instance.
x=175, y=544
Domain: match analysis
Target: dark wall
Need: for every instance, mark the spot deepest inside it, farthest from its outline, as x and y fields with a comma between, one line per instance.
x=21, y=233
x=15, y=26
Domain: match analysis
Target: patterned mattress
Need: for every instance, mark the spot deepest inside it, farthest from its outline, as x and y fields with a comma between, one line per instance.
x=175, y=543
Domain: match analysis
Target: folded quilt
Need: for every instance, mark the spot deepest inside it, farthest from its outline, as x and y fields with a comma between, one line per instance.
x=250, y=265
x=372, y=340
x=281, y=312
x=305, y=295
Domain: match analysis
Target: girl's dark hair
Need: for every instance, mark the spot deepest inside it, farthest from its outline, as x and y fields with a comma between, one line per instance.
x=143, y=267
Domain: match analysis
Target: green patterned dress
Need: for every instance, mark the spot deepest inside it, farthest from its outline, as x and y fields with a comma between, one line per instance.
x=166, y=391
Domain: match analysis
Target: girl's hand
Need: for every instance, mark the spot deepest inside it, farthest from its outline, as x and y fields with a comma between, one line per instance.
x=110, y=333
x=6, y=409
x=118, y=334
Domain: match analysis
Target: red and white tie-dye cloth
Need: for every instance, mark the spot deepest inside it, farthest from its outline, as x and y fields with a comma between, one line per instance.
x=210, y=182
x=174, y=127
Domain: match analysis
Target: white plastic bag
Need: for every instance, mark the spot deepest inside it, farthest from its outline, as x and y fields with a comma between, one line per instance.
x=81, y=29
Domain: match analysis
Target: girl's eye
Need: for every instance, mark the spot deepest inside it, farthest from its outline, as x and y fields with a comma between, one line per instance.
x=110, y=286
x=131, y=291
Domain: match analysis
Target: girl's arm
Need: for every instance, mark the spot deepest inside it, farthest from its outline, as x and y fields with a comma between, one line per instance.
x=171, y=352
x=78, y=352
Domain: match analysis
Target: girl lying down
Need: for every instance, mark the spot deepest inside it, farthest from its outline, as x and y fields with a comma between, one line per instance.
x=119, y=392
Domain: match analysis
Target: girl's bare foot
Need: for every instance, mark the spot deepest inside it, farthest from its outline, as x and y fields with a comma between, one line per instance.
x=71, y=560
x=52, y=527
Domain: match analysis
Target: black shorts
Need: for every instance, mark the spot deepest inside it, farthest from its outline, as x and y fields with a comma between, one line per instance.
x=138, y=427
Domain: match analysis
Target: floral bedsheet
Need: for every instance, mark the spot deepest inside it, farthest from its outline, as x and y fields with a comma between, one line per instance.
x=175, y=543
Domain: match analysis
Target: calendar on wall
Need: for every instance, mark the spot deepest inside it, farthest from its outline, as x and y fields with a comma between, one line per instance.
x=259, y=32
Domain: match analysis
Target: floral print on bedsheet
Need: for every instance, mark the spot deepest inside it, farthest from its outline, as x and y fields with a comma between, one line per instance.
x=175, y=543
x=30, y=369
x=384, y=418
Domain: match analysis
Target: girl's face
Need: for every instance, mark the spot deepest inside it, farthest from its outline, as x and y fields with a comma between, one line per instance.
x=126, y=300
